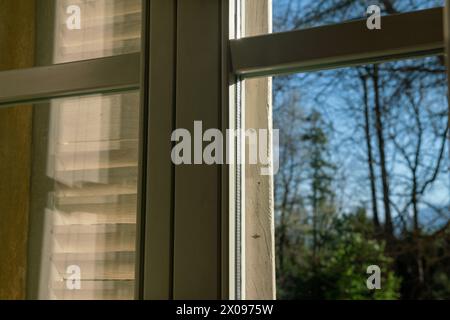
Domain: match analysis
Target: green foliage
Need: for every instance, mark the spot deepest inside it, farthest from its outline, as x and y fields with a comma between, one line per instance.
x=324, y=254
x=340, y=270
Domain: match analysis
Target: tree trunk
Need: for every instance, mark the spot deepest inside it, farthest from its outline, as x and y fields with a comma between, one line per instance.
x=314, y=222
x=282, y=230
x=373, y=190
x=381, y=149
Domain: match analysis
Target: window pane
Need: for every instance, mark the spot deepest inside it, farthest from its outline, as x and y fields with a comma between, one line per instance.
x=44, y=32
x=107, y=27
x=363, y=180
x=301, y=14
x=84, y=197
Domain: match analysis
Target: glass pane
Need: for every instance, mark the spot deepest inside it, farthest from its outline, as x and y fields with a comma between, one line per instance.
x=34, y=33
x=107, y=27
x=363, y=180
x=82, y=215
x=301, y=14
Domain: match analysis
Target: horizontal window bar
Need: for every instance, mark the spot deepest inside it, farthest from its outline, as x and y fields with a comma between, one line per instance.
x=75, y=78
x=401, y=36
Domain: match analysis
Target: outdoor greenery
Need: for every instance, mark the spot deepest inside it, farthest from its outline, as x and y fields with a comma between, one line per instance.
x=364, y=170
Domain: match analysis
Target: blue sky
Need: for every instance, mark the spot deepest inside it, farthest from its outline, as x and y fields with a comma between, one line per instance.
x=351, y=156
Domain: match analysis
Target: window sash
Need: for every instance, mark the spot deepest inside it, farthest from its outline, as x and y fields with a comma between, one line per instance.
x=102, y=75
x=345, y=44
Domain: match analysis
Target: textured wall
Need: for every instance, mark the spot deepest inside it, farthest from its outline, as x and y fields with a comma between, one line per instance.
x=17, y=47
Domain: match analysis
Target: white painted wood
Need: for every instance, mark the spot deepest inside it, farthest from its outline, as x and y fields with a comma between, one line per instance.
x=198, y=194
x=259, y=207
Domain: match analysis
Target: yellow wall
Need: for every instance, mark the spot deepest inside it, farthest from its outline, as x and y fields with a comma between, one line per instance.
x=17, y=51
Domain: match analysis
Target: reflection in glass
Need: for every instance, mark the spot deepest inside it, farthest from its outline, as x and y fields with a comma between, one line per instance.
x=84, y=195
x=107, y=27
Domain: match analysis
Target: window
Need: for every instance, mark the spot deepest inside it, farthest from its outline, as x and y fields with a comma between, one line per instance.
x=99, y=100
x=103, y=110
x=322, y=107
x=81, y=152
